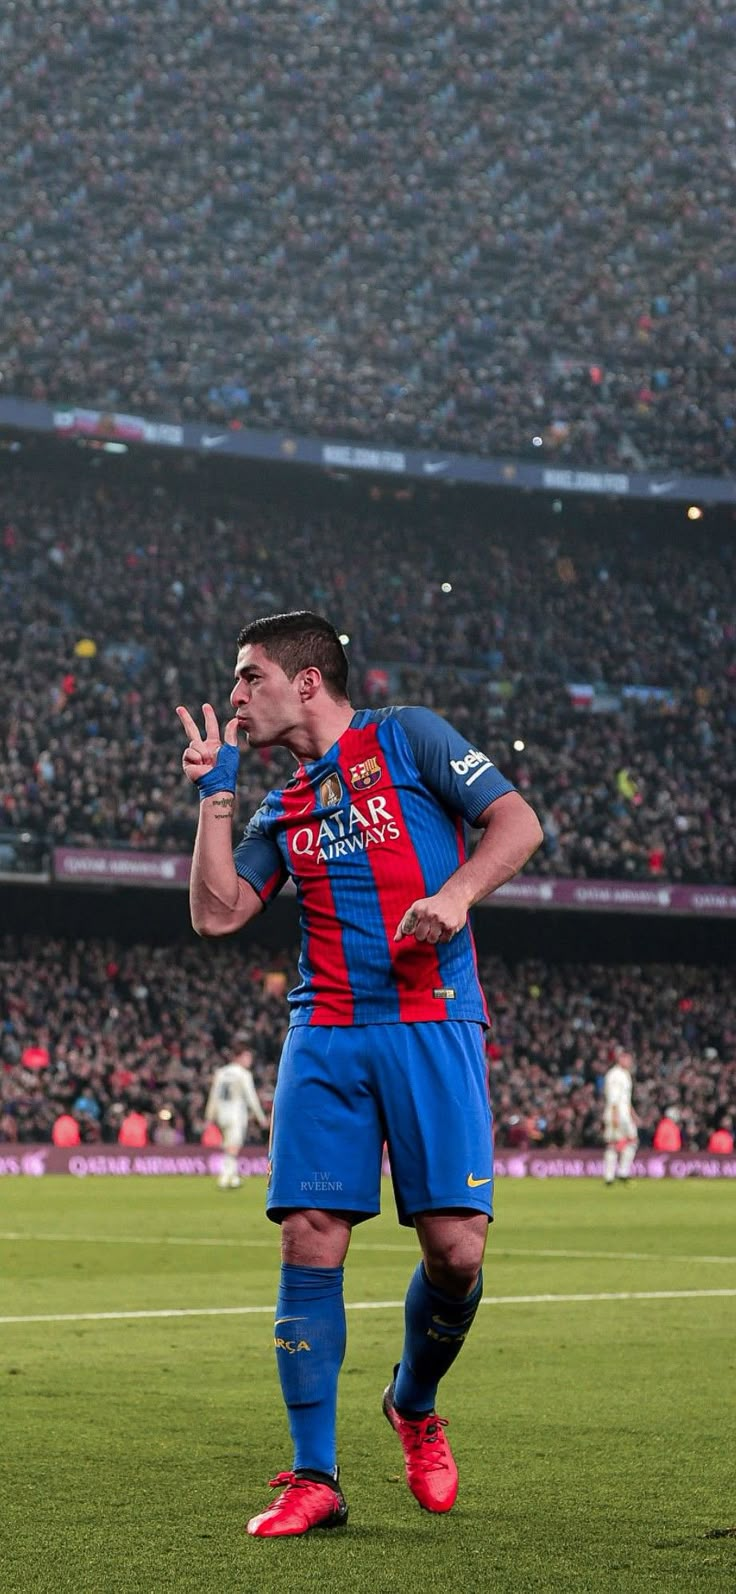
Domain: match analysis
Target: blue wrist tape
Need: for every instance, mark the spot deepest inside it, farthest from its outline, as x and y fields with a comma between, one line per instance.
x=223, y=776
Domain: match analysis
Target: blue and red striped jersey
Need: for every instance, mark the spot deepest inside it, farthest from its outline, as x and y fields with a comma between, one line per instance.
x=364, y=831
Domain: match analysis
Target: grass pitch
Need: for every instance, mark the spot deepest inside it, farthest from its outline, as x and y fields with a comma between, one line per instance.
x=595, y=1437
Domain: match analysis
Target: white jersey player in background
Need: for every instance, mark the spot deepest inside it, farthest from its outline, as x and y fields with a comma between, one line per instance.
x=232, y=1099
x=619, y=1119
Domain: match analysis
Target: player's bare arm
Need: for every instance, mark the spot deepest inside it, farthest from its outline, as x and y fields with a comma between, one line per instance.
x=511, y=834
x=220, y=902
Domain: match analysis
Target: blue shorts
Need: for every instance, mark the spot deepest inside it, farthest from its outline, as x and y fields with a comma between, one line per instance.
x=342, y=1092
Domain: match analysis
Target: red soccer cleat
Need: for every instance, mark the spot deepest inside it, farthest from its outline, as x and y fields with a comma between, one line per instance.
x=304, y=1504
x=430, y=1467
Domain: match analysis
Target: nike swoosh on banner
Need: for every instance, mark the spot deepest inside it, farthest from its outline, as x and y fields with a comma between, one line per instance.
x=213, y=442
x=661, y=487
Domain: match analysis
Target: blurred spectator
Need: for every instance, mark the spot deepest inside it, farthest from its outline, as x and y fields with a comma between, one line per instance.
x=167, y=1129
x=133, y=1130
x=34, y=1057
x=65, y=1130
x=211, y=1136
x=668, y=1135
x=522, y=1133
x=499, y=228
x=721, y=1140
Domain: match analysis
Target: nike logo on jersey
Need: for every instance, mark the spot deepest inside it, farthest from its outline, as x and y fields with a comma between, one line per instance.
x=473, y=1182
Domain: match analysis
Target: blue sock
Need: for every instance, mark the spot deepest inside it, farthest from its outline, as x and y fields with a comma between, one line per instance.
x=309, y=1335
x=435, y=1328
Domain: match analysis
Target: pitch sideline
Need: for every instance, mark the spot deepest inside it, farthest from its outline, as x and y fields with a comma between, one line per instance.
x=358, y=1246
x=365, y=1306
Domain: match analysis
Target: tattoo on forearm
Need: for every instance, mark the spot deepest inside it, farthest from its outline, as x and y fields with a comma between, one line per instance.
x=223, y=806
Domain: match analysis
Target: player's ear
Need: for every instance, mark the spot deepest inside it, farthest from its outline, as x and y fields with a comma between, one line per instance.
x=309, y=682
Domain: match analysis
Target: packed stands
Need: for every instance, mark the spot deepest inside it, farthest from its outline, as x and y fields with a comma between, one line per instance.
x=611, y=658
x=466, y=225
x=96, y=1029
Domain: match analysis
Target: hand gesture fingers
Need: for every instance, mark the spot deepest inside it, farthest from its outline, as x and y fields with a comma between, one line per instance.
x=194, y=761
x=419, y=922
x=431, y=919
x=211, y=726
x=201, y=754
x=188, y=724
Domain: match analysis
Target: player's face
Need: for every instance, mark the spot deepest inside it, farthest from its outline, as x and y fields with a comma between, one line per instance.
x=266, y=702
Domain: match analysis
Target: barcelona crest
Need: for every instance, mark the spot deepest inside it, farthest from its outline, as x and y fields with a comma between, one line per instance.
x=366, y=774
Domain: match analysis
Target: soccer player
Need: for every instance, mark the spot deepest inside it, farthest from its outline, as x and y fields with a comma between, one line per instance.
x=619, y=1119
x=232, y=1097
x=387, y=1021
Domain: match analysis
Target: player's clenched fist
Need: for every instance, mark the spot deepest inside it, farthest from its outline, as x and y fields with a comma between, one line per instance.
x=433, y=919
x=211, y=764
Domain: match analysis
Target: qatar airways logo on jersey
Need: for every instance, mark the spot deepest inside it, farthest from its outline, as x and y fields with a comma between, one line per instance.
x=349, y=830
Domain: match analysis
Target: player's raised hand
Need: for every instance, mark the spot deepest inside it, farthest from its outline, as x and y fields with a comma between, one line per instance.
x=202, y=753
x=433, y=919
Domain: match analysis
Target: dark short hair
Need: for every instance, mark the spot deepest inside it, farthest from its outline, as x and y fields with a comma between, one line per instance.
x=298, y=640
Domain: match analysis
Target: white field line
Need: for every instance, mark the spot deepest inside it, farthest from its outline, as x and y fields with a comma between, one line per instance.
x=357, y=1246
x=366, y=1306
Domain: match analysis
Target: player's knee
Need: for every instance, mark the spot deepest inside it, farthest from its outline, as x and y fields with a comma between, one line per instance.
x=454, y=1277
x=314, y=1239
x=453, y=1246
x=454, y=1266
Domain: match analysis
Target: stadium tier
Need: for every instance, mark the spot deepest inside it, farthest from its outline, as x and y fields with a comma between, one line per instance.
x=595, y=664
x=97, y=1029
x=451, y=224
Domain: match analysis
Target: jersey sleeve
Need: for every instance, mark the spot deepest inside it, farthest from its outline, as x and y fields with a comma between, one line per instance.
x=257, y=858
x=463, y=777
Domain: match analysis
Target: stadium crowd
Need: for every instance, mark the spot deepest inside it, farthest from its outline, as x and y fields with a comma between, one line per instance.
x=463, y=225
x=97, y=1030
x=597, y=671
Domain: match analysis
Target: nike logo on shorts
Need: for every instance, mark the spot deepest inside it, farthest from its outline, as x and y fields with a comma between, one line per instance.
x=473, y=1182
